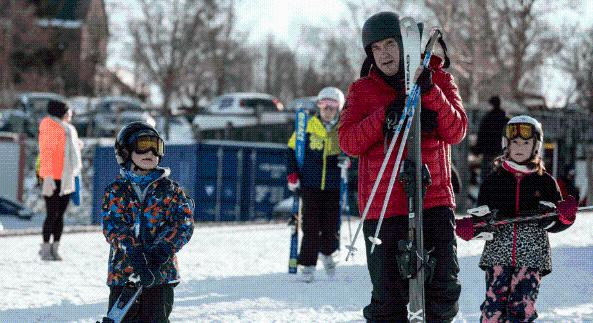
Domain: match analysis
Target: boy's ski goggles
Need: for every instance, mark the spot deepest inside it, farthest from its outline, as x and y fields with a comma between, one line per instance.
x=524, y=130
x=145, y=144
x=328, y=103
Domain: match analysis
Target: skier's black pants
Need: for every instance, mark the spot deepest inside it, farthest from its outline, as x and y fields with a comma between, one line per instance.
x=390, y=291
x=55, y=206
x=319, y=223
x=154, y=304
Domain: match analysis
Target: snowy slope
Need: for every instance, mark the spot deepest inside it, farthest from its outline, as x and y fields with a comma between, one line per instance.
x=238, y=273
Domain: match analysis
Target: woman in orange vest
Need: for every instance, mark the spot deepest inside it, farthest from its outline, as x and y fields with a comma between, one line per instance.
x=59, y=164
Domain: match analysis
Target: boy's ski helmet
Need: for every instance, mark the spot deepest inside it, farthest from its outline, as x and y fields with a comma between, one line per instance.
x=332, y=93
x=128, y=136
x=525, y=127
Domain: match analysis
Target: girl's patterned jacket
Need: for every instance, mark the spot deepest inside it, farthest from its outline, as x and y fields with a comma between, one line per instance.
x=158, y=215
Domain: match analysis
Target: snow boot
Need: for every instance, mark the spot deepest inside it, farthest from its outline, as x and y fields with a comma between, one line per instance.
x=45, y=252
x=329, y=263
x=54, y=250
x=308, y=273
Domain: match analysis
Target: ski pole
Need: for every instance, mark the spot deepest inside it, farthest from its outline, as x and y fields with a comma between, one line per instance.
x=351, y=248
x=412, y=100
x=375, y=239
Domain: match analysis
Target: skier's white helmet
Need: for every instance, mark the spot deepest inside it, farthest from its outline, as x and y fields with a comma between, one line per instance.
x=525, y=127
x=332, y=93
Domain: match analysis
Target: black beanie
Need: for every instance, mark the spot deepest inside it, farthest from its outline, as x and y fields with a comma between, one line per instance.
x=57, y=108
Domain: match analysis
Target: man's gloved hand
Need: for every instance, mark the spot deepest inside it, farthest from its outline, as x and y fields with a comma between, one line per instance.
x=428, y=120
x=159, y=253
x=392, y=114
x=48, y=187
x=567, y=210
x=425, y=80
x=293, y=182
x=140, y=261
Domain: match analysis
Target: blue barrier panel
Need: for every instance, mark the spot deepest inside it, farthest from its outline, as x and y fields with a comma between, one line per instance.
x=106, y=168
x=267, y=165
x=229, y=181
x=181, y=159
x=220, y=181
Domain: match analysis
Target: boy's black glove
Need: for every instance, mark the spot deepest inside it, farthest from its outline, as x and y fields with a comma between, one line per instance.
x=392, y=114
x=428, y=120
x=425, y=80
x=141, y=263
x=159, y=253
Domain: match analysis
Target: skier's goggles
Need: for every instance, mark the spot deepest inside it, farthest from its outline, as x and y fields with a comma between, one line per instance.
x=328, y=104
x=148, y=143
x=523, y=130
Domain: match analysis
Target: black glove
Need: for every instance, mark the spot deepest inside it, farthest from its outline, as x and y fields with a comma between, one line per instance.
x=140, y=261
x=159, y=253
x=392, y=114
x=425, y=80
x=428, y=120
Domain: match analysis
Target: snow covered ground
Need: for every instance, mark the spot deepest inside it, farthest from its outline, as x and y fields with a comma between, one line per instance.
x=238, y=273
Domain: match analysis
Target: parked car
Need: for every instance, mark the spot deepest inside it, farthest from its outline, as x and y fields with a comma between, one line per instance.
x=11, y=208
x=27, y=112
x=309, y=103
x=245, y=103
x=113, y=112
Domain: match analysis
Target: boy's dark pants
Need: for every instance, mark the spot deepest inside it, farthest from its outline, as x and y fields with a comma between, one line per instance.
x=320, y=224
x=390, y=292
x=154, y=306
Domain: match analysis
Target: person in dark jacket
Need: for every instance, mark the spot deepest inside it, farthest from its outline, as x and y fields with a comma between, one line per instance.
x=319, y=182
x=373, y=105
x=491, y=127
x=519, y=255
x=147, y=219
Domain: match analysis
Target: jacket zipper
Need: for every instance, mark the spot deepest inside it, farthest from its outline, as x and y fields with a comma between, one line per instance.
x=142, y=197
x=517, y=191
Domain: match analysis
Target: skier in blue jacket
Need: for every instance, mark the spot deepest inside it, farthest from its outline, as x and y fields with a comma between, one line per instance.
x=147, y=219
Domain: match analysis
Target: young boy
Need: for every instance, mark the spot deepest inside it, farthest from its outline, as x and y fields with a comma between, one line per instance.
x=147, y=218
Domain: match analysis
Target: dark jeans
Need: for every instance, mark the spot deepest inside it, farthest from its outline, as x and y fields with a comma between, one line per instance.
x=390, y=291
x=320, y=224
x=55, y=206
x=154, y=305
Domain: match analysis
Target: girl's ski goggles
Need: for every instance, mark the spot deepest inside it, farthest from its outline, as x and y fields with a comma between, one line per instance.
x=328, y=103
x=524, y=130
x=145, y=144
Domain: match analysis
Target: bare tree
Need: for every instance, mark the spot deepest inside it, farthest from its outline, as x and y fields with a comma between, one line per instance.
x=497, y=45
x=577, y=61
x=166, y=39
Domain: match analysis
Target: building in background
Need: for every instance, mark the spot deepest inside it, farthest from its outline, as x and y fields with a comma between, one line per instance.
x=51, y=46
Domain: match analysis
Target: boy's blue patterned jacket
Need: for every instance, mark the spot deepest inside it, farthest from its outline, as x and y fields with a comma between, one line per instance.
x=161, y=214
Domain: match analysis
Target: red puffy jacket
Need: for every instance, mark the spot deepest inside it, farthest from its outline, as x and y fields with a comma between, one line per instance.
x=361, y=134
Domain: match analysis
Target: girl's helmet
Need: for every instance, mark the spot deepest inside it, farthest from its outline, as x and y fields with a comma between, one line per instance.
x=525, y=127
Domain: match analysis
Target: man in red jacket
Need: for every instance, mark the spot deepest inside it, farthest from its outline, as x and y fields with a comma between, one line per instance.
x=373, y=106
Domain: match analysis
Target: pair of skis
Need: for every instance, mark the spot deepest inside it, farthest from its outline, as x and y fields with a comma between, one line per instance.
x=300, y=133
x=411, y=37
